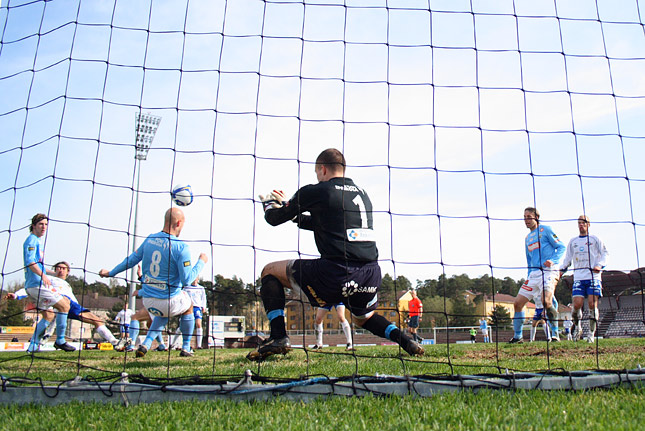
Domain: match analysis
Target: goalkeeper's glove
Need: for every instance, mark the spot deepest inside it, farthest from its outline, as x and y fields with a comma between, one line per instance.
x=271, y=200
x=279, y=196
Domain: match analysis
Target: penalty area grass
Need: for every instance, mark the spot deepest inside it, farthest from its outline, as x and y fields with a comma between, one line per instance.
x=615, y=409
x=611, y=354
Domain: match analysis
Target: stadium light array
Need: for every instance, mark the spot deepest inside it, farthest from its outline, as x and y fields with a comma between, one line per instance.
x=145, y=128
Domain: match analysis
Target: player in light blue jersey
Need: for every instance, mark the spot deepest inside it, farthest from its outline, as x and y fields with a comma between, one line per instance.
x=483, y=327
x=544, y=250
x=40, y=288
x=166, y=269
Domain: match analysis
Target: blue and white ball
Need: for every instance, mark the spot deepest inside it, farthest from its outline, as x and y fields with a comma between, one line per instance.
x=182, y=195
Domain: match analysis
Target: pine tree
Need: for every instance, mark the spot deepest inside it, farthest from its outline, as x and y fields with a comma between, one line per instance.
x=12, y=314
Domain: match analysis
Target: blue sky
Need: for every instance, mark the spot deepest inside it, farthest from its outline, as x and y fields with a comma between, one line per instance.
x=453, y=118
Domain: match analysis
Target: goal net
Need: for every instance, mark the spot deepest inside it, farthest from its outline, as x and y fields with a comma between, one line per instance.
x=453, y=115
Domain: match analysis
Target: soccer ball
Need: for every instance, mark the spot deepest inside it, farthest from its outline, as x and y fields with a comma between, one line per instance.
x=182, y=195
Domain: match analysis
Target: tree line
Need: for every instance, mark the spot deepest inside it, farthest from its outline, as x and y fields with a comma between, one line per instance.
x=443, y=298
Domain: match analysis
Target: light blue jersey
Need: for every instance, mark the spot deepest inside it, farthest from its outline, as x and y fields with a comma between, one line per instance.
x=33, y=253
x=542, y=245
x=166, y=265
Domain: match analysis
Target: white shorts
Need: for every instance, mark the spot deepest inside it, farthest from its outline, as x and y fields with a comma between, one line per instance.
x=537, y=282
x=484, y=332
x=162, y=307
x=45, y=297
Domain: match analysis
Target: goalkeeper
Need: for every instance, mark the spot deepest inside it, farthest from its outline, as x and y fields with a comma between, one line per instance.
x=340, y=215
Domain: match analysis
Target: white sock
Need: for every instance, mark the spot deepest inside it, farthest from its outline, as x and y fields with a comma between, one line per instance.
x=50, y=329
x=319, y=334
x=532, y=333
x=546, y=330
x=199, y=335
x=106, y=334
x=348, y=331
x=177, y=339
x=595, y=316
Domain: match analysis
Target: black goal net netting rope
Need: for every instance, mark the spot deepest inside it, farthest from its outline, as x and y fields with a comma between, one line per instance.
x=453, y=115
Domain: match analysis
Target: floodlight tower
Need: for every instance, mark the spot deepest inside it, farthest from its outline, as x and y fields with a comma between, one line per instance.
x=145, y=128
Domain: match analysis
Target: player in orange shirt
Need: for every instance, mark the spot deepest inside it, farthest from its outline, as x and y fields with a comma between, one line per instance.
x=415, y=309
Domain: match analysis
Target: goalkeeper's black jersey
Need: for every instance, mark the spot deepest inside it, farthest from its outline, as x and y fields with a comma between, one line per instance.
x=339, y=214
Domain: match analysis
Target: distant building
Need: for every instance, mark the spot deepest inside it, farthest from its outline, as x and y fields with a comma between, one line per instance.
x=301, y=315
x=489, y=302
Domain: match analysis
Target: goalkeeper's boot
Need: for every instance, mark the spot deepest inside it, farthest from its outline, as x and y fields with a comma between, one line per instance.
x=270, y=347
x=141, y=351
x=186, y=353
x=414, y=349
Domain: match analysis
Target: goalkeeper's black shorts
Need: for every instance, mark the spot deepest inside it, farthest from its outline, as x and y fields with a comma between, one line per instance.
x=327, y=282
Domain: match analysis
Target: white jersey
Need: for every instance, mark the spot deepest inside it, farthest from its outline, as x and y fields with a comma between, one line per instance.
x=197, y=295
x=567, y=324
x=124, y=316
x=585, y=252
x=58, y=285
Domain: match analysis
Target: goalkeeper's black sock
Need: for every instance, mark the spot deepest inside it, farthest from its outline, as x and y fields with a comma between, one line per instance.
x=379, y=325
x=272, y=293
x=277, y=328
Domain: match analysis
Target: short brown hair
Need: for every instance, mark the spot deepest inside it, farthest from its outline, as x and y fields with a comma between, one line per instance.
x=62, y=263
x=533, y=210
x=37, y=219
x=331, y=158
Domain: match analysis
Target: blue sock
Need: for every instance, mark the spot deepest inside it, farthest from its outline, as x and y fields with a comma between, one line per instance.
x=187, y=326
x=554, y=328
x=61, y=326
x=555, y=323
x=158, y=323
x=41, y=327
x=160, y=339
x=518, y=323
x=134, y=329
